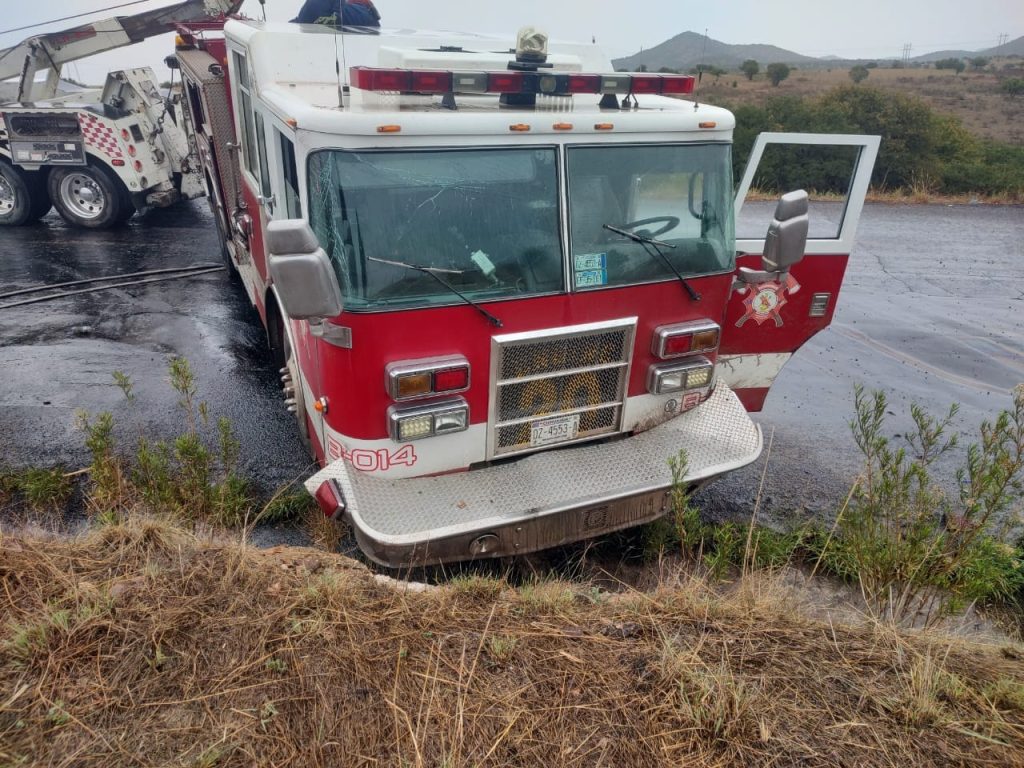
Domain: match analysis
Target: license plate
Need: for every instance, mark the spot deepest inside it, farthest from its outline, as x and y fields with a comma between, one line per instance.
x=556, y=430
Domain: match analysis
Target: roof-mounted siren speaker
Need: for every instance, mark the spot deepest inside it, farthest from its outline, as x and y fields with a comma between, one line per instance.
x=531, y=46
x=531, y=55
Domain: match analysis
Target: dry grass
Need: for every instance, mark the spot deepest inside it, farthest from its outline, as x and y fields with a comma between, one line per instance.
x=141, y=645
x=973, y=97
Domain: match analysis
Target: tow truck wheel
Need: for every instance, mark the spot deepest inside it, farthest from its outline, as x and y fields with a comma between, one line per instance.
x=40, y=196
x=15, y=197
x=87, y=196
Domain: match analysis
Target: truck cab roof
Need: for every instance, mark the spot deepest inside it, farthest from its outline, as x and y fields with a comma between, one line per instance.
x=299, y=71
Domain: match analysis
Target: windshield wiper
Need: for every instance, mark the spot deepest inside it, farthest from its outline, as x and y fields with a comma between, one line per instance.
x=656, y=250
x=433, y=272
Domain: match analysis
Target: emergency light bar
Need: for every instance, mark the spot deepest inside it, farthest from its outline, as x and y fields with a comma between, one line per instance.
x=435, y=81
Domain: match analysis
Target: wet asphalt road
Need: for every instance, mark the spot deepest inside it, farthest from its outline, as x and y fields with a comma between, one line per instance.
x=932, y=311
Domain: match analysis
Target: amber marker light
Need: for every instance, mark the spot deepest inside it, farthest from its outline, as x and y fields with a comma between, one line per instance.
x=604, y=126
x=292, y=122
x=519, y=127
x=562, y=126
x=708, y=124
x=389, y=129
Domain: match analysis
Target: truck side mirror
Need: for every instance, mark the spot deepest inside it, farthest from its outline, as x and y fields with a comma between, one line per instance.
x=301, y=271
x=786, y=241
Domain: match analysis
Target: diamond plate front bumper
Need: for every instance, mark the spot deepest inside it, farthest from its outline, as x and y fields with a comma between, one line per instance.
x=546, y=499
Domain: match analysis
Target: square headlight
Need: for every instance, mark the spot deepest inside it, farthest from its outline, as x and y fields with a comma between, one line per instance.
x=693, y=374
x=418, y=421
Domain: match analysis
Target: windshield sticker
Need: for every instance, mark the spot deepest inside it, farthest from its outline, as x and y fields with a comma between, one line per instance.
x=591, y=277
x=585, y=262
x=590, y=269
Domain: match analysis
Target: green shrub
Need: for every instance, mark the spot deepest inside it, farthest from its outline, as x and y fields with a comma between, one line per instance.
x=919, y=148
x=916, y=554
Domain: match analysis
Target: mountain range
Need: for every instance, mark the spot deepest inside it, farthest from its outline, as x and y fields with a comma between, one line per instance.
x=688, y=49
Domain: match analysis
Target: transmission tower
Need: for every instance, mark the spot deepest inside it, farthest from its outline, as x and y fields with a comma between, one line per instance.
x=907, y=48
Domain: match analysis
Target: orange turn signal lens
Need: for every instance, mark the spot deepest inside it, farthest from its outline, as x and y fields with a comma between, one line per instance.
x=413, y=385
x=604, y=126
x=389, y=129
x=519, y=127
x=562, y=126
x=705, y=339
x=708, y=124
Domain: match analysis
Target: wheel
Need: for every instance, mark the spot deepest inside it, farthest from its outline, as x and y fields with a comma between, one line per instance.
x=287, y=368
x=15, y=197
x=88, y=196
x=40, y=197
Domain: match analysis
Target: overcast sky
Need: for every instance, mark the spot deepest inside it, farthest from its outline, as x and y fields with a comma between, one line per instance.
x=846, y=28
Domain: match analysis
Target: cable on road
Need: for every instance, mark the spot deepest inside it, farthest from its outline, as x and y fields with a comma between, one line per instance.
x=147, y=273
x=66, y=294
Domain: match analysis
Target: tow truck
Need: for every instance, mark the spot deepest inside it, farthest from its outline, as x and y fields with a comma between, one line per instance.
x=503, y=286
x=96, y=156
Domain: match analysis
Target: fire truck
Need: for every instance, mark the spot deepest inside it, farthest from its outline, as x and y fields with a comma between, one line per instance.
x=503, y=286
x=95, y=156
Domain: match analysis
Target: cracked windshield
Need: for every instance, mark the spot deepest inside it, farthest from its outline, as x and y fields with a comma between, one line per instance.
x=671, y=204
x=397, y=225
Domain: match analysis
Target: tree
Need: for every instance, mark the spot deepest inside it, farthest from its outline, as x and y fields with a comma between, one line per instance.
x=859, y=73
x=979, y=62
x=1012, y=87
x=750, y=68
x=777, y=73
x=951, y=63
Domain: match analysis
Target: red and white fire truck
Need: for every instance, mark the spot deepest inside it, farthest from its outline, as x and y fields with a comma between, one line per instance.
x=504, y=286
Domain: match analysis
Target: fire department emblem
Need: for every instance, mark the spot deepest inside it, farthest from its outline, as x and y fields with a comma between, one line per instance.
x=766, y=302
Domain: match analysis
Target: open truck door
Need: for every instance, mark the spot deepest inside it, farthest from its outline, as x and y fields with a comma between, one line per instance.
x=767, y=320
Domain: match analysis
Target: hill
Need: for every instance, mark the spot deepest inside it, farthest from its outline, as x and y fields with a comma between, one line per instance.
x=1012, y=48
x=689, y=49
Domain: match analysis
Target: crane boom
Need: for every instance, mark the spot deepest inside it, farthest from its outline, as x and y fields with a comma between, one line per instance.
x=50, y=52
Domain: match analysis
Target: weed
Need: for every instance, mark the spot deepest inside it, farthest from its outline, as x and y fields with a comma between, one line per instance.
x=927, y=687
x=728, y=542
x=476, y=586
x=277, y=665
x=916, y=555
x=57, y=715
x=293, y=505
x=538, y=597
x=1006, y=693
x=108, y=487
x=27, y=640
x=124, y=382
x=185, y=476
x=267, y=713
x=212, y=756
x=709, y=696
x=502, y=648
x=44, y=490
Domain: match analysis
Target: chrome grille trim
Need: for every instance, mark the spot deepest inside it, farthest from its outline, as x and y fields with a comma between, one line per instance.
x=552, y=367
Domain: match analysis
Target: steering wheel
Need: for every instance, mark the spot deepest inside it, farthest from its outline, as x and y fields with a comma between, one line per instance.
x=670, y=222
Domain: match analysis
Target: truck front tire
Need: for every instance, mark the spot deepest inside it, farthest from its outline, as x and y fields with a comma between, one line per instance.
x=15, y=197
x=88, y=196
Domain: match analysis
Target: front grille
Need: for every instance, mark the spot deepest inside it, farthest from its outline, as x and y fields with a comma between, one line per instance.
x=580, y=371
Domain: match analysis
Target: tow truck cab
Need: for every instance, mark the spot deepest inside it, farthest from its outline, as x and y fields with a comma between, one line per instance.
x=503, y=287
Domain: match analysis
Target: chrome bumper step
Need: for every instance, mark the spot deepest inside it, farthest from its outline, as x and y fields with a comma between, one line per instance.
x=545, y=499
